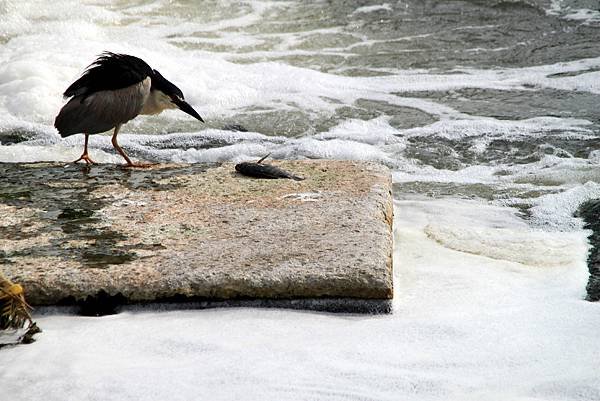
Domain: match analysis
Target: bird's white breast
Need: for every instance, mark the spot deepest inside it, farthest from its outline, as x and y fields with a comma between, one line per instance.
x=157, y=101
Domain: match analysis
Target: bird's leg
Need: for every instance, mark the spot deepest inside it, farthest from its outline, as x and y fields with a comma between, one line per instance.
x=118, y=148
x=85, y=156
x=122, y=153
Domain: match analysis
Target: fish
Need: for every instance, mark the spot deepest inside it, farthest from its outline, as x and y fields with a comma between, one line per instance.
x=258, y=170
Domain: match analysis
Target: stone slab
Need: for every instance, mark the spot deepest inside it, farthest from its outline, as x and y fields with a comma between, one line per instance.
x=197, y=232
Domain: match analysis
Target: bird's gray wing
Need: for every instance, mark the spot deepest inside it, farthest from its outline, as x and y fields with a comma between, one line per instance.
x=103, y=110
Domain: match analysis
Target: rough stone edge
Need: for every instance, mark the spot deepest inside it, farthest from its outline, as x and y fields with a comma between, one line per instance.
x=387, y=210
x=103, y=307
x=381, y=192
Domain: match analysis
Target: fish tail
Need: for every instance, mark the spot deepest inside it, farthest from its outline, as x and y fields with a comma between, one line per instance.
x=263, y=158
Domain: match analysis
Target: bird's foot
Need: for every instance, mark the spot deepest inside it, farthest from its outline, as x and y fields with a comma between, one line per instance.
x=85, y=158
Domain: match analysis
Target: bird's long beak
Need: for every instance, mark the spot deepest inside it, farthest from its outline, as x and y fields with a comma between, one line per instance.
x=186, y=108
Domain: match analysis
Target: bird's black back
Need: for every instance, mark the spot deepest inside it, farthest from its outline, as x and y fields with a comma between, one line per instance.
x=110, y=71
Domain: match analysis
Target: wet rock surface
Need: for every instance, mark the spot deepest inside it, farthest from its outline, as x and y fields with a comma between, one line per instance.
x=199, y=232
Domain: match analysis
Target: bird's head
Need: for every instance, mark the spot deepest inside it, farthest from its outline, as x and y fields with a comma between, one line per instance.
x=165, y=95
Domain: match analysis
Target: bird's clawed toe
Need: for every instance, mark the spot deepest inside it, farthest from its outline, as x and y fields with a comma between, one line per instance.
x=85, y=158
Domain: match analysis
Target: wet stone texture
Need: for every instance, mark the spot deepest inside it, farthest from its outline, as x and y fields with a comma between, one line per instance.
x=197, y=232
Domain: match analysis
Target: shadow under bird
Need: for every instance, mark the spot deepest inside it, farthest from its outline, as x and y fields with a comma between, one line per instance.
x=113, y=90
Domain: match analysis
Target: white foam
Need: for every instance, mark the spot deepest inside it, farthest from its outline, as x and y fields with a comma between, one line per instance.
x=566, y=182
x=372, y=140
x=552, y=170
x=555, y=211
x=489, y=128
x=370, y=9
x=468, y=175
x=333, y=149
x=584, y=14
x=569, y=10
x=373, y=132
x=500, y=235
x=235, y=153
x=228, y=39
x=52, y=153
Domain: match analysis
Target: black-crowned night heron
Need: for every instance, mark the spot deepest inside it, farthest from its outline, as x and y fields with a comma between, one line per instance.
x=113, y=90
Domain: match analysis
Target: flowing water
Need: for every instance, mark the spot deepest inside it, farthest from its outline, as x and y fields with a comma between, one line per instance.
x=488, y=114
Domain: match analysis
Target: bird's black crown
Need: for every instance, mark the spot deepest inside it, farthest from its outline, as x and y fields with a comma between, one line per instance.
x=164, y=85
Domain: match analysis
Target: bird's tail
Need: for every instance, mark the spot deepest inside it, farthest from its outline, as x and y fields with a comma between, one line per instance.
x=78, y=117
x=66, y=120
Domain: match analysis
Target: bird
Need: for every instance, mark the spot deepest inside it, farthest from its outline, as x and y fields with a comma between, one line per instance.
x=113, y=90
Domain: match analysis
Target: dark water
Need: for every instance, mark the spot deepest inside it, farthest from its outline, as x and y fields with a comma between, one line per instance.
x=453, y=38
x=434, y=35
